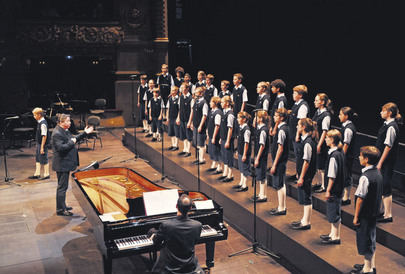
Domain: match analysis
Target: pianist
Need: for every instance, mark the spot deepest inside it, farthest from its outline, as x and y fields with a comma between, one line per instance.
x=178, y=237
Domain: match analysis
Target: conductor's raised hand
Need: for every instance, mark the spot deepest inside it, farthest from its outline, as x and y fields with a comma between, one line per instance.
x=89, y=129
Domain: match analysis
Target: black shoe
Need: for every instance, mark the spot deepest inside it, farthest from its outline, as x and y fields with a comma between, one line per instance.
x=181, y=153
x=360, y=271
x=201, y=163
x=324, y=237
x=242, y=189
x=154, y=139
x=149, y=135
x=258, y=200
x=211, y=169
x=210, y=264
x=301, y=227
x=33, y=177
x=64, y=213
x=331, y=242
x=296, y=223
x=46, y=177
x=194, y=162
x=170, y=148
x=188, y=154
x=276, y=212
x=217, y=172
x=359, y=267
x=220, y=178
x=227, y=180
x=69, y=208
x=315, y=187
x=236, y=186
x=320, y=190
x=346, y=202
x=175, y=148
x=385, y=220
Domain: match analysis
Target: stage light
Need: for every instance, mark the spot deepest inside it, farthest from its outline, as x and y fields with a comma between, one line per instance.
x=69, y=57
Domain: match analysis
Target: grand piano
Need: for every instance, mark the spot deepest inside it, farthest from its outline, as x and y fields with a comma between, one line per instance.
x=112, y=199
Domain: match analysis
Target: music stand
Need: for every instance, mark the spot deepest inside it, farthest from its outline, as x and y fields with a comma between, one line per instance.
x=256, y=247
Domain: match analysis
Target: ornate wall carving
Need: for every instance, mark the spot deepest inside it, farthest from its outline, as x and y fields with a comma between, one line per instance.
x=70, y=34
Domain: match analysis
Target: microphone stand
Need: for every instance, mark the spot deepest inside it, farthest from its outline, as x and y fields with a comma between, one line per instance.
x=197, y=152
x=256, y=247
x=162, y=137
x=7, y=179
x=132, y=77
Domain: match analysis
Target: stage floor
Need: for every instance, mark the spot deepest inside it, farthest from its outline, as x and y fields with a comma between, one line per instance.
x=35, y=240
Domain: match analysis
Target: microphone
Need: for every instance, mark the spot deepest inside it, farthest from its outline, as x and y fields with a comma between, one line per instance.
x=12, y=117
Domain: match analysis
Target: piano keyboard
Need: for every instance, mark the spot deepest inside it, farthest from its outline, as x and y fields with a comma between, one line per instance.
x=208, y=231
x=143, y=240
x=133, y=242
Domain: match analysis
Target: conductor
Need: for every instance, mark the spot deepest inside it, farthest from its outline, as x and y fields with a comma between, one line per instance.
x=179, y=237
x=65, y=159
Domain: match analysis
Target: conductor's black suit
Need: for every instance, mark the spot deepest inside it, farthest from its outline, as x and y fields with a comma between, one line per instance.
x=65, y=159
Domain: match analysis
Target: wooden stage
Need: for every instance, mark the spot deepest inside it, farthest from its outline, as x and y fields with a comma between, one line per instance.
x=300, y=248
x=36, y=240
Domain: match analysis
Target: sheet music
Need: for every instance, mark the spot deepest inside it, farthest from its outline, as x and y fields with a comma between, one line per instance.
x=207, y=204
x=112, y=217
x=160, y=201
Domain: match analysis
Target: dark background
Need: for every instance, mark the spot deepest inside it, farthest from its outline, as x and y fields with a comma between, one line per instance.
x=350, y=50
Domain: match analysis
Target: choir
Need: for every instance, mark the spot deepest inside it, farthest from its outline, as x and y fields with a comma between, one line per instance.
x=217, y=122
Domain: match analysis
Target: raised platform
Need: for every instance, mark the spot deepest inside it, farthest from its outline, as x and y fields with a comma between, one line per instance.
x=301, y=248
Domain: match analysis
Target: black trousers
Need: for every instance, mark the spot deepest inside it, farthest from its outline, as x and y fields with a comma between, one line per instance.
x=63, y=184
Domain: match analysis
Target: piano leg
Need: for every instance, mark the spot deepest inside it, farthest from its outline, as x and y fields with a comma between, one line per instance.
x=209, y=254
x=107, y=264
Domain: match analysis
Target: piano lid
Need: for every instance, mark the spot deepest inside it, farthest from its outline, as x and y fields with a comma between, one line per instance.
x=109, y=188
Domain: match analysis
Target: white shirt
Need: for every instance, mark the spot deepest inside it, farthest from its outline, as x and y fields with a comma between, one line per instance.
x=43, y=127
x=325, y=121
x=281, y=103
x=205, y=107
x=246, y=135
x=175, y=98
x=230, y=119
x=302, y=111
x=347, y=134
x=391, y=134
x=139, y=88
x=332, y=168
x=244, y=94
x=215, y=90
x=362, y=188
x=263, y=135
x=162, y=105
x=307, y=149
x=266, y=102
x=281, y=135
x=217, y=118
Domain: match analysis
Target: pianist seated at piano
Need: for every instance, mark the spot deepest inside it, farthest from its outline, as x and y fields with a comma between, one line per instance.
x=177, y=237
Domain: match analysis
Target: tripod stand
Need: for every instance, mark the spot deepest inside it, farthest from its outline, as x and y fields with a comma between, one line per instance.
x=255, y=248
